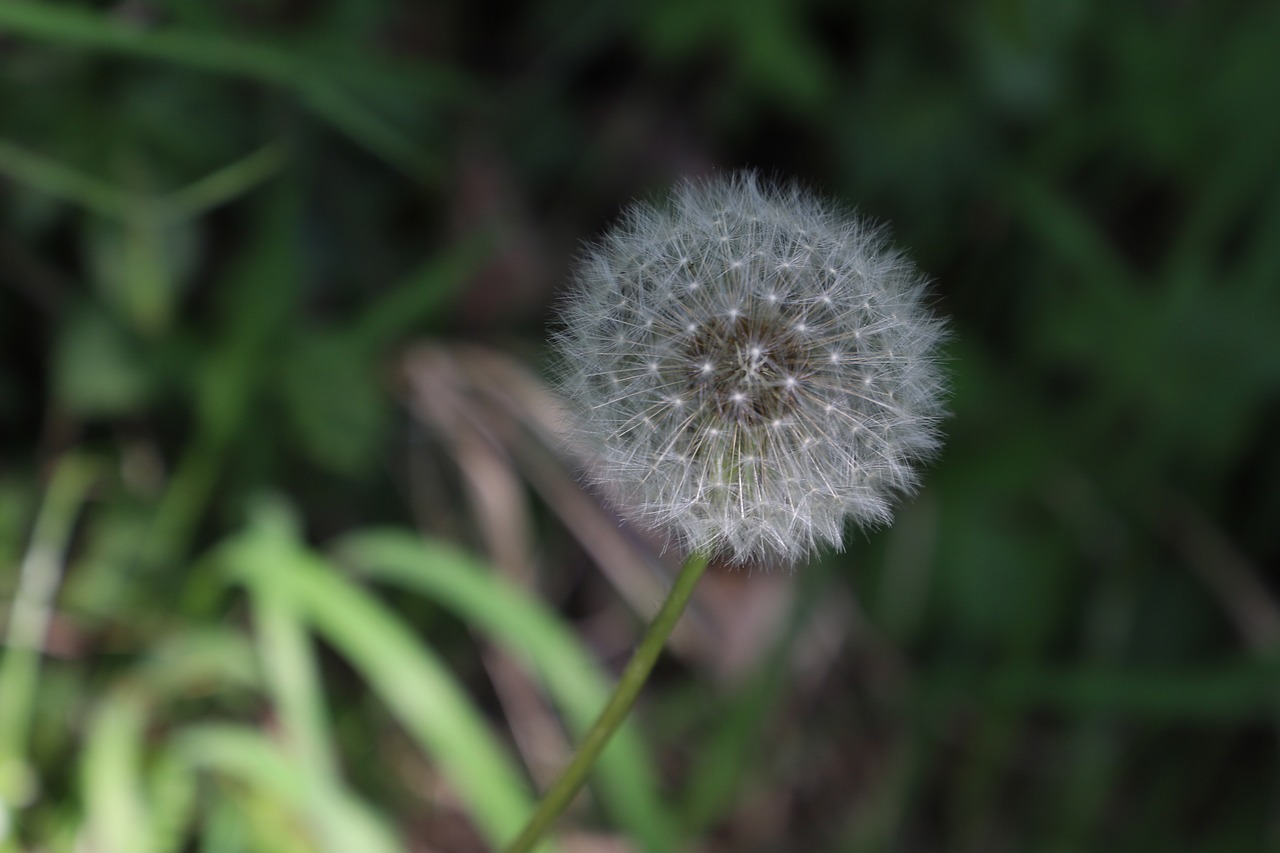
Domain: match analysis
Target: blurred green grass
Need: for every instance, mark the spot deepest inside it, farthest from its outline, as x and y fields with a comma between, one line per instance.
x=219, y=223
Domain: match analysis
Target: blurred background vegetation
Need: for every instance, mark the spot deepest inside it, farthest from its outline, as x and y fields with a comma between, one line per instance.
x=290, y=561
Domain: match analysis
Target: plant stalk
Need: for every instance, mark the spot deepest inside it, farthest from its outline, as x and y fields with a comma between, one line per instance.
x=571, y=780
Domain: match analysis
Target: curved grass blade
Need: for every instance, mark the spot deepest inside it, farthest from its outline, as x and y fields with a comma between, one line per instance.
x=624, y=777
x=288, y=661
x=135, y=810
x=342, y=823
x=407, y=676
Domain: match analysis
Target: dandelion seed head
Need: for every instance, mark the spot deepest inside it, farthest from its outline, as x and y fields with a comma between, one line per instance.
x=752, y=366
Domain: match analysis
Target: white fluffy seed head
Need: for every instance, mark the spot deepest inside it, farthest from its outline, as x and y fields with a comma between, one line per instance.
x=752, y=366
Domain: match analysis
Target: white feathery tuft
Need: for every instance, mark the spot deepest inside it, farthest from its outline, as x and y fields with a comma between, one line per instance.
x=752, y=366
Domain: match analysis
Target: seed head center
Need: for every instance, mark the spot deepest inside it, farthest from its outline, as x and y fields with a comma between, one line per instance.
x=745, y=369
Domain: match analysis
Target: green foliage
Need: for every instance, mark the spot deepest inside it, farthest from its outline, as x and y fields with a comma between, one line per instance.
x=220, y=223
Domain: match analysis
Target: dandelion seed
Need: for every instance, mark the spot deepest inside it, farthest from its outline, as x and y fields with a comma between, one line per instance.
x=797, y=392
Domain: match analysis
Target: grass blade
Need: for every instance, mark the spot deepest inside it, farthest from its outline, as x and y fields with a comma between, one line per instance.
x=409, y=678
x=234, y=56
x=341, y=823
x=626, y=780
x=118, y=820
x=39, y=578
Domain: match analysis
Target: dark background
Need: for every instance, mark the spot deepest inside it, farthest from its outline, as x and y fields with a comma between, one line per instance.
x=230, y=230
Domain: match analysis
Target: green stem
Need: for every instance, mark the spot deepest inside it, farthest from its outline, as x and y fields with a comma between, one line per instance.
x=557, y=799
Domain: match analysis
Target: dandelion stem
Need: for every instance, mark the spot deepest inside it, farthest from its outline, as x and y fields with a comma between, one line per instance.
x=619, y=706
